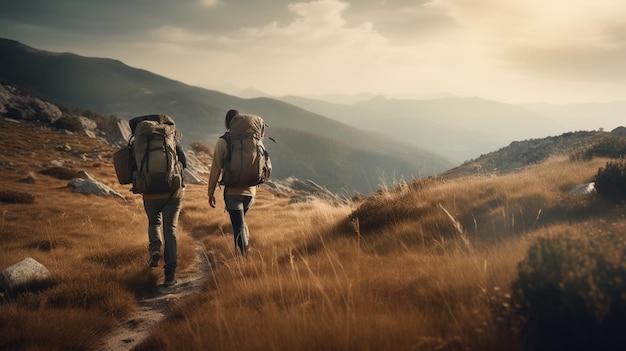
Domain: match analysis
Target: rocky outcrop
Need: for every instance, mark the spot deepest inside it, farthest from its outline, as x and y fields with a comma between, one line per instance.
x=14, y=104
x=120, y=134
x=520, y=154
x=303, y=191
x=197, y=172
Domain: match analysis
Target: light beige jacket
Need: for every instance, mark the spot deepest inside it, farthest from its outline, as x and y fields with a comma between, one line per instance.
x=219, y=153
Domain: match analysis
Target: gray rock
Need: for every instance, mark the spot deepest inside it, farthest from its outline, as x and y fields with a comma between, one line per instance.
x=587, y=188
x=119, y=136
x=192, y=177
x=196, y=171
x=23, y=274
x=88, y=124
x=88, y=185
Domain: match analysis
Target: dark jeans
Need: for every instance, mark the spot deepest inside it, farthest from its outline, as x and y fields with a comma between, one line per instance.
x=162, y=212
x=237, y=207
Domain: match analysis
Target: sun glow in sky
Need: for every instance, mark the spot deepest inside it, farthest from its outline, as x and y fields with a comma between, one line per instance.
x=508, y=50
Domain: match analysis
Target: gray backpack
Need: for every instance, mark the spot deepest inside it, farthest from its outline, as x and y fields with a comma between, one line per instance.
x=247, y=162
x=154, y=149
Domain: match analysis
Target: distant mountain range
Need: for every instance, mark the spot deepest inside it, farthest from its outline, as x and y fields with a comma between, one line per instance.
x=463, y=129
x=340, y=141
x=310, y=146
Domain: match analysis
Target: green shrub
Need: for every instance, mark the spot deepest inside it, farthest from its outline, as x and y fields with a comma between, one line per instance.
x=572, y=293
x=614, y=147
x=71, y=123
x=610, y=181
x=198, y=146
x=108, y=124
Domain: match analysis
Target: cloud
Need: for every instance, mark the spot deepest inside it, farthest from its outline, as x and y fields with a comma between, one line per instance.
x=208, y=2
x=572, y=62
x=316, y=41
x=478, y=47
x=574, y=40
x=402, y=21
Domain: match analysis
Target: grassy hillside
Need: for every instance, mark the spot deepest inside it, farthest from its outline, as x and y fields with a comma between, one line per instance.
x=336, y=164
x=428, y=264
x=110, y=87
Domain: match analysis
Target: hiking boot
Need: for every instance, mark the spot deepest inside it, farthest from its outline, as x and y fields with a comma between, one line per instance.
x=170, y=280
x=154, y=258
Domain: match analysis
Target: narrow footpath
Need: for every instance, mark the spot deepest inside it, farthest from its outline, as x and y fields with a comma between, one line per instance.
x=153, y=308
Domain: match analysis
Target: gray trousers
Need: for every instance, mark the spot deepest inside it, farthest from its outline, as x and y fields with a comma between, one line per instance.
x=237, y=207
x=162, y=220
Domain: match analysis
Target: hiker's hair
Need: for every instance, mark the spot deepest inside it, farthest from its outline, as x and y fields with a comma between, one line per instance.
x=229, y=117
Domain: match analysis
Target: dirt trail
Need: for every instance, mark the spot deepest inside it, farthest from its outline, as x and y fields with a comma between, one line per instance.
x=153, y=308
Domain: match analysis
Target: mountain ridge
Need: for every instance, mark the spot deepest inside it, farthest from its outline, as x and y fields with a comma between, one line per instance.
x=459, y=128
x=110, y=87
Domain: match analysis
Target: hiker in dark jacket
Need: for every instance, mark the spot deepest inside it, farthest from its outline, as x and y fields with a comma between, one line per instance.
x=163, y=211
x=238, y=199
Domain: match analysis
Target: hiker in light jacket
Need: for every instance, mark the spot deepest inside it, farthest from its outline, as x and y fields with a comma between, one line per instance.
x=163, y=211
x=238, y=199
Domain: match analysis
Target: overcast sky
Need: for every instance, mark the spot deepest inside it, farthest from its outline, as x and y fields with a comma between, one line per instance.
x=507, y=50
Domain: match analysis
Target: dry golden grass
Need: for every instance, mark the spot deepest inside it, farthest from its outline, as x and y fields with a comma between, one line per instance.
x=95, y=247
x=426, y=265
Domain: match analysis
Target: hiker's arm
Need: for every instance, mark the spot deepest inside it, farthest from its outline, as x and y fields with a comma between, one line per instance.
x=216, y=168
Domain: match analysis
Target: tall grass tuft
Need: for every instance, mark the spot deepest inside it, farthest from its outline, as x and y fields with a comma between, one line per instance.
x=16, y=197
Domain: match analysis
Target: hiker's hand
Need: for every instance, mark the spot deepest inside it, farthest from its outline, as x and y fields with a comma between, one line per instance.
x=212, y=201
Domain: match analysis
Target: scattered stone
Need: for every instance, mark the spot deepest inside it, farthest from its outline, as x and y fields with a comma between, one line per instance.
x=26, y=274
x=57, y=163
x=30, y=179
x=7, y=164
x=88, y=124
x=64, y=147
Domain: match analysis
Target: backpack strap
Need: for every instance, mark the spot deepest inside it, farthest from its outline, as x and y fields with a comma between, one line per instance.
x=226, y=137
x=146, y=158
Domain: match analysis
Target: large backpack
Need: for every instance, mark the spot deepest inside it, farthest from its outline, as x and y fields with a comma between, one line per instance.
x=247, y=162
x=154, y=139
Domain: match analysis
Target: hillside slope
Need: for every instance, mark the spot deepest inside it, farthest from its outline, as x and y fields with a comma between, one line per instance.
x=434, y=256
x=110, y=87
